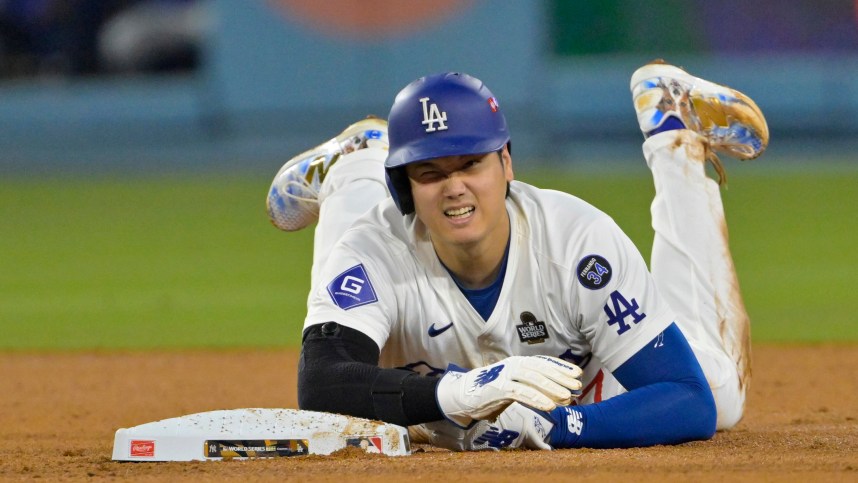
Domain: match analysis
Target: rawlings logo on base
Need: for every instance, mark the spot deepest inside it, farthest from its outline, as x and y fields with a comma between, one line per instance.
x=143, y=449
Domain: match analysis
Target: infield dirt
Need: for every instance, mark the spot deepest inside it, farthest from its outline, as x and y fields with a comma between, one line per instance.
x=58, y=414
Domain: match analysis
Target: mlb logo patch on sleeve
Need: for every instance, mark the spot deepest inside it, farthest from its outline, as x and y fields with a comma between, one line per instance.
x=352, y=288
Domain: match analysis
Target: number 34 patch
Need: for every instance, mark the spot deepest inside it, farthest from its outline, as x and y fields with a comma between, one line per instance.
x=622, y=309
x=594, y=272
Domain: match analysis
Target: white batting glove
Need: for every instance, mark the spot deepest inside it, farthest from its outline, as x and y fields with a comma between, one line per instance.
x=517, y=427
x=540, y=382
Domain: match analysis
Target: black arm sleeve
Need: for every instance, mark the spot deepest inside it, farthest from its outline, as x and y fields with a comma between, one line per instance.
x=338, y=372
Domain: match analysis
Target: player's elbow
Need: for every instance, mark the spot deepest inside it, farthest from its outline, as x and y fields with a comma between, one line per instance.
x=329, y=386
x=318, y=380
x=325, y=387
x=336, y=369
x=310, y=390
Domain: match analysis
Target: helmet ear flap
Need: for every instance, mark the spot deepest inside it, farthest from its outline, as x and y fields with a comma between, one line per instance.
x=400, y=189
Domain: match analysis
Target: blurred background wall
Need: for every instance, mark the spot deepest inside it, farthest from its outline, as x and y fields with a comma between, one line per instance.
x=127, y=86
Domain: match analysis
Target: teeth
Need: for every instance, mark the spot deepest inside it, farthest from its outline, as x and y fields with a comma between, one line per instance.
x=459, y=213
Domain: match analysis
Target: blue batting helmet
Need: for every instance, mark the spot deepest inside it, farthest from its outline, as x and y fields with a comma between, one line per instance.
x=449, y=114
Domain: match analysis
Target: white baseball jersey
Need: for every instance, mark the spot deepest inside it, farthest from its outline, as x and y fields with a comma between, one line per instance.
x=575, y=287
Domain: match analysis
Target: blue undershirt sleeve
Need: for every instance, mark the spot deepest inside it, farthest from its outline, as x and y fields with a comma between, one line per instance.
x=668, y=402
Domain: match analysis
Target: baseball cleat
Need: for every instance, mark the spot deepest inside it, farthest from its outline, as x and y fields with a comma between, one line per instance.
x=730, y=121
x=293, y=200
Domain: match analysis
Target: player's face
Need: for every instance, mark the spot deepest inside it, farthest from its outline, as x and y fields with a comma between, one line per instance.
x=460, y=199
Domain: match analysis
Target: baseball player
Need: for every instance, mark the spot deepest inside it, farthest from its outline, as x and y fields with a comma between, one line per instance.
x=484, y=312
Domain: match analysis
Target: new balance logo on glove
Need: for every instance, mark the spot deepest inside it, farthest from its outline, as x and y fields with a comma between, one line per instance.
x=488, y=375
x=496, y=438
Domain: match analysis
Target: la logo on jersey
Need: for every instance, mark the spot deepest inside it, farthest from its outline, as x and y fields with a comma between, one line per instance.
x=432, y=115
x=352, y=288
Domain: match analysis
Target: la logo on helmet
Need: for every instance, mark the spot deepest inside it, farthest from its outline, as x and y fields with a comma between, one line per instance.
x=432, y=115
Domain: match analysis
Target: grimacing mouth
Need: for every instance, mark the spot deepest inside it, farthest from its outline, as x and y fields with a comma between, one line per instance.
x=459, y=212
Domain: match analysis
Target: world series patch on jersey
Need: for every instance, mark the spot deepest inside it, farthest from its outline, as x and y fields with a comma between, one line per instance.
x=575, y=287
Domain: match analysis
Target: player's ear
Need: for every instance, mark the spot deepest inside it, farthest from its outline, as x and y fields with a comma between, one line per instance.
x=506, y=162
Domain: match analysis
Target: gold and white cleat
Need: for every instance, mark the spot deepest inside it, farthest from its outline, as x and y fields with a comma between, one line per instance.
x=730, y=121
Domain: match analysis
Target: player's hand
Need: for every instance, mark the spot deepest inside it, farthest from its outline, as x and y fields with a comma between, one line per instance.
x=540, y=382
x=517, y=427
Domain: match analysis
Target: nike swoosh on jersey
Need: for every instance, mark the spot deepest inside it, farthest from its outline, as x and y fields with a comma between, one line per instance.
x=433, y=332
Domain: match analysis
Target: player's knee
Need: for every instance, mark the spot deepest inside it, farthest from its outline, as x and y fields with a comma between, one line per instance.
x=730, y=404
x=730, y=413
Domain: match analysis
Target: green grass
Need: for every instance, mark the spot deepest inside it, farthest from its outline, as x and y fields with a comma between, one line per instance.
x=147, y=263
x=193, y=262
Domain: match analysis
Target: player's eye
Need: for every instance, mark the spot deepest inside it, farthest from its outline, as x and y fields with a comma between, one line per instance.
x=472, y=163
x=427, y=175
